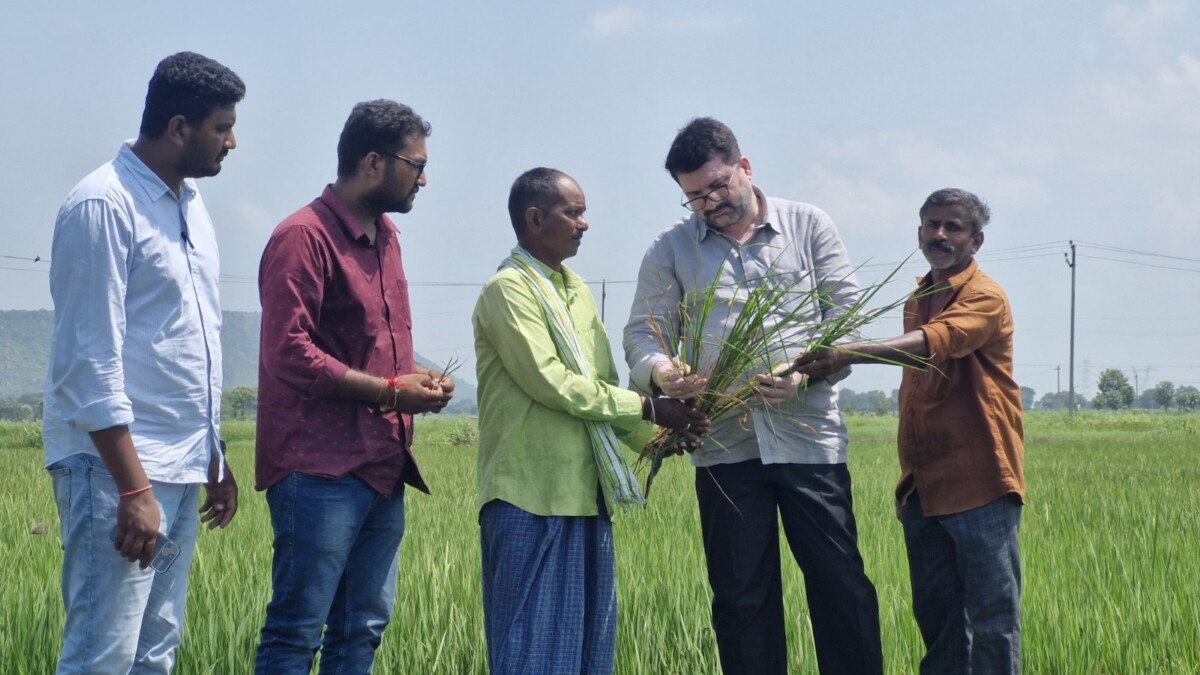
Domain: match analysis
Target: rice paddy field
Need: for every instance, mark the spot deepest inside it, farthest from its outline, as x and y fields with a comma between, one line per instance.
x=1110, y=544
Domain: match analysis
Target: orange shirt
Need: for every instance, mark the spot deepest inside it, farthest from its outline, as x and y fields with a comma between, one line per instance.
x=961, y=432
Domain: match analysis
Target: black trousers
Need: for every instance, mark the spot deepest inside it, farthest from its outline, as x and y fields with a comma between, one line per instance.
x=738, y=506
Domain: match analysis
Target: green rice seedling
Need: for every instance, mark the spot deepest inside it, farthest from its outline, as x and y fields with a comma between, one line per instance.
x=768, y=312
x=1110, y=545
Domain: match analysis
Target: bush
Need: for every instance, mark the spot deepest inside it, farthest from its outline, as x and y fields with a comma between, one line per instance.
x=463, y=433
x=31, y=436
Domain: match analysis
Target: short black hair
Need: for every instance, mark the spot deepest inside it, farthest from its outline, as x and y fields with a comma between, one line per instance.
x=374, y=126
x=978, y=211
x=698, y=142
x=537, y=188
x=191, y=85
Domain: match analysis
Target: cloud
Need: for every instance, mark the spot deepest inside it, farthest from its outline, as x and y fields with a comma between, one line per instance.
x=1177, y=207
x=1166, y=98
x=1001, y=168
x=1140, y=28
x=1185, y=78
x=616, y=21
x=623, y=20
x=860, y=204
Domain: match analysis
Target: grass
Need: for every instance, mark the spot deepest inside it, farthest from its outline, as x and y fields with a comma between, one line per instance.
x=1111, y=550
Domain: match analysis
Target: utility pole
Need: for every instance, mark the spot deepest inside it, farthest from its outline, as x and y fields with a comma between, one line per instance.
x=1058, y=378
x=603, y=297
x=1071, y=366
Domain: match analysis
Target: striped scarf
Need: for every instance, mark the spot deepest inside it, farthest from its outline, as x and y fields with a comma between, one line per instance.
x=616, y=478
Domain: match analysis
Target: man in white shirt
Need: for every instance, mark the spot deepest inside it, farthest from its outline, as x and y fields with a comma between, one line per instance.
x=133, y=396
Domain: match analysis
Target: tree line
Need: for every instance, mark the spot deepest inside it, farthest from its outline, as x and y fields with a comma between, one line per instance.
x=1113, y=393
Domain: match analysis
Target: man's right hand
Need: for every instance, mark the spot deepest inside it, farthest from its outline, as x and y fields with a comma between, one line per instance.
x=821, y=363
x=420, y=393
x=137, y=527
x=677, y=382
x=679, y=417
x=137, y=513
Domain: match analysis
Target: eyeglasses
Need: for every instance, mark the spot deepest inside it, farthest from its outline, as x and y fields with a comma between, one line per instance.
x=419, y=166
x=717, y=194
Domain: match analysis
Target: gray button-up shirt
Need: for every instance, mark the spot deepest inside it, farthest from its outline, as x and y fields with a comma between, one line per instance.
x=796, y=246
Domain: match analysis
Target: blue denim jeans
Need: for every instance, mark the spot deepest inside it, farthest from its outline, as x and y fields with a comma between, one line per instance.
x=966, y=581
x=337, y=548
x=120, y=618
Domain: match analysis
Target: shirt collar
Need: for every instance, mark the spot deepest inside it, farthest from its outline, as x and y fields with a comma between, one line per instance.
x=568, y=276
x=383, y=225
x=147, y=181
x=955, y=281
x=768, y=216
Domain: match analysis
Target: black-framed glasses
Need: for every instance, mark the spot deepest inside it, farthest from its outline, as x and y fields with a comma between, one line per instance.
x=717, y=194
x=419, y=166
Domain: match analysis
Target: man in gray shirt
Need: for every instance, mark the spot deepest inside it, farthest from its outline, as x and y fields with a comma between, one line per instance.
x=787, y=455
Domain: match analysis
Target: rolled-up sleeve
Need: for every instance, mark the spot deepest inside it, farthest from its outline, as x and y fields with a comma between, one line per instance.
x=510, y=318
x=963, y=327
x=88, y=283
x=291, y=282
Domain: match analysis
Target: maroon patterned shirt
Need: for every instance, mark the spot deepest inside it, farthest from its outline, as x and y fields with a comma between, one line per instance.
x=332, y=301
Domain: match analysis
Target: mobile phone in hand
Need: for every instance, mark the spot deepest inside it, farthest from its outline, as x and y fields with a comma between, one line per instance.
x=165, y=551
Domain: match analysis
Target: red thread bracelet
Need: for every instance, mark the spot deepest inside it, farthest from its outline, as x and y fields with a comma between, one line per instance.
x=134, y=492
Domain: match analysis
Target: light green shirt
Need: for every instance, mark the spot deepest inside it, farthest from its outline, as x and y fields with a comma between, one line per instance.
x=534, y=450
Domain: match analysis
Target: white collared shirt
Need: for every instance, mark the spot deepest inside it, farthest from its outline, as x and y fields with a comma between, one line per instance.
x=137, y=321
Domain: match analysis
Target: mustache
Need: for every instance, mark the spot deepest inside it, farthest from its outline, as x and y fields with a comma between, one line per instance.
x=939, y=246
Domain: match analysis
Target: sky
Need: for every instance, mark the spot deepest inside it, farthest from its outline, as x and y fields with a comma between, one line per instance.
x=1075, y=120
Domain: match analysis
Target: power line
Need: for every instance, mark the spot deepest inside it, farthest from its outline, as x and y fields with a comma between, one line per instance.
x=1142, y=264
x=1134, y=252
x=1010, y=254
x=1037, y=247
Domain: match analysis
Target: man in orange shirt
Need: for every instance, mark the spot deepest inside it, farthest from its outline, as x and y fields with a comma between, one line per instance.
x=962, y=484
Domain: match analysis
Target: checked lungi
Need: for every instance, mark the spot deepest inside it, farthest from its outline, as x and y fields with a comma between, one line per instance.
x=549, y=591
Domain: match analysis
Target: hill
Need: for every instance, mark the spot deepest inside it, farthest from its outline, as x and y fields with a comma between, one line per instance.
x=25, y=354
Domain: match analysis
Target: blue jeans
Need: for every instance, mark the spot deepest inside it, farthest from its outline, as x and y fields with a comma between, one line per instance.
x=337, y=547
x=966, y=581
x=120, y=618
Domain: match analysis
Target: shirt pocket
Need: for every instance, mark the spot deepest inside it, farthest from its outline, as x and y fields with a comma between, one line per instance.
x=935, y=383
x=398, y=300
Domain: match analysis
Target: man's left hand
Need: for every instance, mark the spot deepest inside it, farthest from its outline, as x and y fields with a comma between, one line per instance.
x=221, y=497
x=775, y=390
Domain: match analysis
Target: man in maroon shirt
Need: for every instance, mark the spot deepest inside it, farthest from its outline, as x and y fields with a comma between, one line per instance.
x=337, y=391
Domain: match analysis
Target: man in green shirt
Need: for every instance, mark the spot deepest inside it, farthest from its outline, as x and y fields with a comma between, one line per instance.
x=549, y=463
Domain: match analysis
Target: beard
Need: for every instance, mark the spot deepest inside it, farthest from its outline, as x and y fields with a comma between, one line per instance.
x=195, y=163
x=942, y=256
x=384, y=200
x=728, y=213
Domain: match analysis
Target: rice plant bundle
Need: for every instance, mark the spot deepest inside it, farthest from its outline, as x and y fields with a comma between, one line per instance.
x=772, y=309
